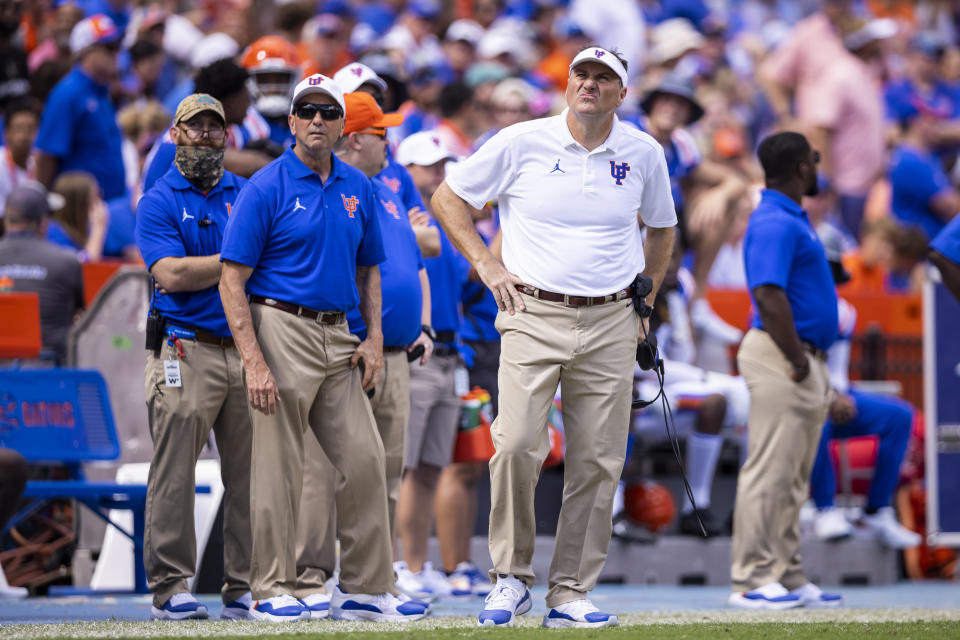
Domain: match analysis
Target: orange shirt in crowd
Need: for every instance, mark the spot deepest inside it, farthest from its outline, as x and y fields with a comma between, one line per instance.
x=863, y=278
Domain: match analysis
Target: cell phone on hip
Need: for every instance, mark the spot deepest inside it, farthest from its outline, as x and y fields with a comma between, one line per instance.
x=417, y=352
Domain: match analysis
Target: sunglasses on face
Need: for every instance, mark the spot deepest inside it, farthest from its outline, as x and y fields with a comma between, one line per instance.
x=308, y=111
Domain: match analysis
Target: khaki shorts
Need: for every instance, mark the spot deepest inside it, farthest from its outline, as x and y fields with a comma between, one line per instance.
x=434, y=413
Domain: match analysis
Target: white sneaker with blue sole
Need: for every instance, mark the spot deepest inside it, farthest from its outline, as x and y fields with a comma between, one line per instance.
x=813, y=597
x=318, y=604
x=772, y=596
x=283, y=608
x=467, y=580
x=377, y=607
x=180, y=606
x=579, y=614
x=239, y=609
x=508, y=599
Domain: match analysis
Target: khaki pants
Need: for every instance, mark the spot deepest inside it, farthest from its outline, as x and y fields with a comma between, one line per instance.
x=783, y=433
x=319, y=390
x=590, y=352
x=212, y=395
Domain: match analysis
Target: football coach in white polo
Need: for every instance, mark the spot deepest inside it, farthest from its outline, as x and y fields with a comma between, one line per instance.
x=574, y=191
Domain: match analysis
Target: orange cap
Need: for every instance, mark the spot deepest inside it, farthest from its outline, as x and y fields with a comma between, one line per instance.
x=363, y=112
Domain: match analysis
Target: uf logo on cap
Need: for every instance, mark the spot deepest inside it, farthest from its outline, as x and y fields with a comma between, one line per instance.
x=357, y=71
x=619, y=171
x=599, y=52
x=315, y=80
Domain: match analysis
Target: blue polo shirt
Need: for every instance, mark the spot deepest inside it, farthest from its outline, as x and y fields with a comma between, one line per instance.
x=947, y=242
x=401, y=294
x=176, y=220
x=79, y=127
x=478, y=305
x=916, y=177
x=447, y=276
x=305, y=237
x=401, y=183
x=780, y=248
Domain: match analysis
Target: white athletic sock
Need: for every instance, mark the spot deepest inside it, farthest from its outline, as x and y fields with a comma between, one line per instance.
x=618, y=498
x=702, y=453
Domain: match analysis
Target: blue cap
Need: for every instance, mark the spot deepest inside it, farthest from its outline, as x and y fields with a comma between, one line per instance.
x=426, y=9
x=337, y=7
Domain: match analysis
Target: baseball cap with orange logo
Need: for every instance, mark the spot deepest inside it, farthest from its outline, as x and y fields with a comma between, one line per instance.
x=96, y=29
x=365, y=116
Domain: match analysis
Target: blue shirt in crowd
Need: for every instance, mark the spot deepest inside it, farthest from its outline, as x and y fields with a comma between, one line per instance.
x=782, y=249
x=398, y=179
x=177, y=220
x=446, y=276
x=947, y=242
x=79, y=128
x=916, y=177
x=479, y=307
x=401, y=293
x=305, y=237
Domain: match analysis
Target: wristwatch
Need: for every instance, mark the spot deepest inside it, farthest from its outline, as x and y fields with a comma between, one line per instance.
x=427, y=329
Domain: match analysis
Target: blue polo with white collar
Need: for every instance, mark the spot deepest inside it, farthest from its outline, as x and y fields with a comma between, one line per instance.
x=305, y=237
x=177, y=220
x=782, y=249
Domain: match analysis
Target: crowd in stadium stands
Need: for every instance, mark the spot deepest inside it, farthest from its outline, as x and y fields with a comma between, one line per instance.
x=89, y=88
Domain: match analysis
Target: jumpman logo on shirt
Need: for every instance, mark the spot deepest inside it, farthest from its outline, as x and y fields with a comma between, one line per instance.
x=297, y=205
x=186, y=216
x=556, y=167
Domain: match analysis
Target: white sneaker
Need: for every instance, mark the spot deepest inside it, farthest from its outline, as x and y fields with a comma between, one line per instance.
x=435, y=581
x=580, y=614
x=409, y=583
x=12, y=593
x=468, y=580
x=706, y=320
x=239, y=609
x=180, y=606
x=283, y=608
x=831, y=524
x=814, y=597
x=508, y=599
x=377, y=607
x=772, y=596
x=318, y=604
x=888, y=531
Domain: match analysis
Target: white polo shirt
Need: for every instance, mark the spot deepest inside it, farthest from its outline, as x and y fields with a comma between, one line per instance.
x=569, y=215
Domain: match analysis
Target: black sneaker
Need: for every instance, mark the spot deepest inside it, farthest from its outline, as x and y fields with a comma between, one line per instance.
x=626, y=531
x=689, y=526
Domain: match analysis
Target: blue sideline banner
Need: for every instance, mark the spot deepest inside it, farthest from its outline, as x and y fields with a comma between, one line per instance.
x=941, y=368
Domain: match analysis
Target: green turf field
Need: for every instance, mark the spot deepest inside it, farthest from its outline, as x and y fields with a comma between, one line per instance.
x=916, y=624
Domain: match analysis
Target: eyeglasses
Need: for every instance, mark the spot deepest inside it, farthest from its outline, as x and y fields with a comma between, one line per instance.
x=214, y=134
x=308, y=111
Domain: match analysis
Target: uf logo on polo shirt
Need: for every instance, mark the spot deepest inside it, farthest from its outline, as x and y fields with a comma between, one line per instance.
x=350, y=204
x=391, y=208
x=619, y=171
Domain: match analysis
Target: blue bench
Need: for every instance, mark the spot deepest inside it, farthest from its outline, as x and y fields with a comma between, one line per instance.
x=63, y=416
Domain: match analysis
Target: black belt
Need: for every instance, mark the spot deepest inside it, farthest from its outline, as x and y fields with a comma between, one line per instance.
x=321, y=317
x=394, y=349
x=446, y=336
x=575, y=301
x=816, y=352
x=444, y=350
x=205, y=337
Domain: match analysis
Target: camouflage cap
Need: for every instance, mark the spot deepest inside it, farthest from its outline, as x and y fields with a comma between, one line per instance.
x=198, y=103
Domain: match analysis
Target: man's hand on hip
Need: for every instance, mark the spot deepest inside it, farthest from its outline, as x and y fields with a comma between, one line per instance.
x=422, y=339
x=262, y=388
x=503, y=284
x=371, y=352
x=801, y=369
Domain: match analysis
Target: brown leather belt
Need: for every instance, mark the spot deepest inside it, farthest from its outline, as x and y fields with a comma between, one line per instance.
x=817, y=353
x=320, y=317
x=575, y=301
x=206, y=337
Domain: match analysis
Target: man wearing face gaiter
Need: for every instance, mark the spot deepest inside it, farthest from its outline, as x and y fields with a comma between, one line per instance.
x=193, y=378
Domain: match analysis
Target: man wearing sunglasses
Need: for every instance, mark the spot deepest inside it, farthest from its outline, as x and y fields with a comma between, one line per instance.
x=180, y=225
x=301, y=249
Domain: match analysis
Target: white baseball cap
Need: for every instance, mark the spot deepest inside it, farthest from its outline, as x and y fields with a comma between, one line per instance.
x=355, y=74
x=97, y=29
x=466, y=30
x=604, y=57
x=424, y=149
x=318, y=83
